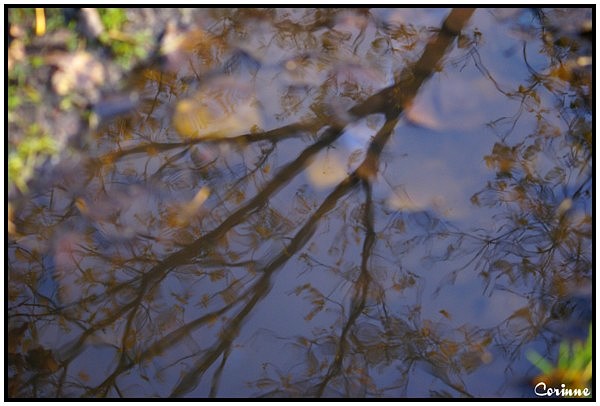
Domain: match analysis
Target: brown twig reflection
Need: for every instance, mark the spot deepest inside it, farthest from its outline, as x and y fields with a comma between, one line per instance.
x=368, y=168
x=361, y=291
x=128, y=298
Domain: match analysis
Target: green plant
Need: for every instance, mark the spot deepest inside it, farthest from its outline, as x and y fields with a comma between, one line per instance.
x=574, y=365
x=127, y=48
x=112, y=18
x=27, y=155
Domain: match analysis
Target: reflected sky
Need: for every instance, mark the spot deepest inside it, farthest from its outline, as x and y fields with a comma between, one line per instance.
x=198, y=253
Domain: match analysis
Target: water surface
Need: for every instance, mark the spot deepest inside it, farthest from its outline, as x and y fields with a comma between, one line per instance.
x=318, y=203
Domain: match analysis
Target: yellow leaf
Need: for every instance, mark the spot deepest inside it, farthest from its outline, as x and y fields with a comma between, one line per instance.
x=187, y=211
x=212, y=319
x=83, y=376
x=21, y=255
x=11, y=227
x=263, y=231
x=326, y=170
x=238, y=196
x=40, y=22
x=201, y=196
x=223, y=108
x=190, y=118
x=522, y=313
x=449, y=348
x=228, y=296
x=216, y=275
x=82, y=206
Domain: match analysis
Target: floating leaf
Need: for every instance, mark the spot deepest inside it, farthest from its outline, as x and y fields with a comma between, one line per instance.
x=326, y=170
x=224, y=108
x=522, y=313
x=187, y=211
x=502, y=266
x=217, y=275
x=83, y=376
x=41, y=360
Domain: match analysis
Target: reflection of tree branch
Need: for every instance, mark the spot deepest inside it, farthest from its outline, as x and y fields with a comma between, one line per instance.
x=365, y=171
x=192, y=250
x=214, y=387
x=390, y=101
x=260, y=289
x=274, y=135
x=263, y=286
x=234, y=188
x=422, y=70
x=393, y=99
x=361, y=291
x=161, y=345
x=159, y=271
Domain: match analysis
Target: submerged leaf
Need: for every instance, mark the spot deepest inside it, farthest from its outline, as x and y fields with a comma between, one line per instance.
x=326, y=170
x=224, y=108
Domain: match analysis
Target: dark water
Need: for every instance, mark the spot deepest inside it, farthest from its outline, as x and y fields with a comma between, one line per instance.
x=319, y=203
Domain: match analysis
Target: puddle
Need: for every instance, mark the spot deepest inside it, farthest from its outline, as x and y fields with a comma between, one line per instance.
x=314, y=203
